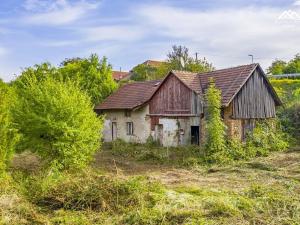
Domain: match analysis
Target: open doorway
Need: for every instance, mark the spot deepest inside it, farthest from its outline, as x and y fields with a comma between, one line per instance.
x=195, y=135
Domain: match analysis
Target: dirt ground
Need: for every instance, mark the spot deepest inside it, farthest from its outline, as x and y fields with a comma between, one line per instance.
x=278, y=167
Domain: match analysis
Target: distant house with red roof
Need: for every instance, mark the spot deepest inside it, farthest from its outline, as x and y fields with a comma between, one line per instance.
x=120, y=75
x=153, y=63
x=172, y=110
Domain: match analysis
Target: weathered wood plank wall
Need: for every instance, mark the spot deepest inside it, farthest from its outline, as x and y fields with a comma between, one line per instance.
x=175, y=98
x=254, y=100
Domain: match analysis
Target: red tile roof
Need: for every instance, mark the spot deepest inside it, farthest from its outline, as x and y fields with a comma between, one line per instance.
x=153, y=63
x=119, y=75
x=189, y=79
x=229, y=80
x=130, y=95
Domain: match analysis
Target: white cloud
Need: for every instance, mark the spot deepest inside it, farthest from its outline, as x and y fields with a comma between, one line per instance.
x=58, y=12
x=113, y=33
x=32, y=5
x=226, y=36
x=3, y=51
x=297, y=3
x=62, y=43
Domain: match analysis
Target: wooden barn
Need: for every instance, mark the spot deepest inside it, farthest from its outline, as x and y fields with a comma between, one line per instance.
x=172, y=110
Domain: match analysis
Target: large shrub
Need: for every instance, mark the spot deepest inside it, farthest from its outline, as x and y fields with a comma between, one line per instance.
x=266, y=137
x=93, y=75
x=57, y=121
x=215, y=143
x=290, y=120
x=8, y=135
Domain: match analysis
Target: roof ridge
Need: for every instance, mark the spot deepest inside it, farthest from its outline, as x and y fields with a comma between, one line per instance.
x=142, y=82
x=183, y=71
x=229, y=68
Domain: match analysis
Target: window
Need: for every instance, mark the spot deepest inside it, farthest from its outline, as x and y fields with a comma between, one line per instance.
x=129, y=128
x=127, y=113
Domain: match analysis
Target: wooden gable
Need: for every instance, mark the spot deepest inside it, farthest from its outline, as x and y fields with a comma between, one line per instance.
x=256, y=99
x=173, y=97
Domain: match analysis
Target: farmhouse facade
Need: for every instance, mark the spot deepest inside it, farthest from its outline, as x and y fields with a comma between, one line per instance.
x=172, y=111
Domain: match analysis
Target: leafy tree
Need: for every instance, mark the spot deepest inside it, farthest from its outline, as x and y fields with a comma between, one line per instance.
x=294, y=65
x=277, y=67
x=144, y=72
x=215, y=143
x=57, y=121
x=38, y=72
x=180, y=54
x=93, y=76
x=8, y=134
x=282, y=67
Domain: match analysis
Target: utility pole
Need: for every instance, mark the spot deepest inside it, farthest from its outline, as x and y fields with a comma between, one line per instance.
x=251, y=57
x=196, y=56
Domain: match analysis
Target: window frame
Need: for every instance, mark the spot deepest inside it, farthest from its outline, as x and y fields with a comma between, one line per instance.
x=129, y=128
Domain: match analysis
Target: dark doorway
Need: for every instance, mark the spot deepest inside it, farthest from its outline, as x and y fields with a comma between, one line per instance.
x=195, y=135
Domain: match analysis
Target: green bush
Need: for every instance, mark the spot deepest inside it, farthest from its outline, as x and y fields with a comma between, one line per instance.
x=8, y=133
x=57, y=121
x=267, y=137
x=290, y=120
x=238, y=150
x=215, y=142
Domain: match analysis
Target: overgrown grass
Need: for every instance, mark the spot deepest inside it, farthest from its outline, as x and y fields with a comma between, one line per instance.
x=93, y=197
x=179, y=156
x=269, y=193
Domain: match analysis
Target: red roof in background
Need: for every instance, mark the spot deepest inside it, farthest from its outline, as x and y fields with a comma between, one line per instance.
x=119, y=75
x=130, y=95
x=153, y=63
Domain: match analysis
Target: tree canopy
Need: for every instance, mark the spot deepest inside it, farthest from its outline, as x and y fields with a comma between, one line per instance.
x=93, y=75
x=8, y=133
x=282, y=67
x=178, y=59
x=57, y=121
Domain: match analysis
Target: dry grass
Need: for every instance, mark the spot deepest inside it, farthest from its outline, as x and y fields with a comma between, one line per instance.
x=119, y=189
x=283, y=166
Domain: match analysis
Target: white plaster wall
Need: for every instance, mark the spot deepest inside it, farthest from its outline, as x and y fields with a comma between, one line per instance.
x=141, y=125
x=177, y=131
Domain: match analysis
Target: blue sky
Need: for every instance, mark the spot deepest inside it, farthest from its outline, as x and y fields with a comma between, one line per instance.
x=129, y=32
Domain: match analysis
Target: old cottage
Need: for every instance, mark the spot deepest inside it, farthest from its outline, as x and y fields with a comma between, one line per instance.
x=172, y=110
